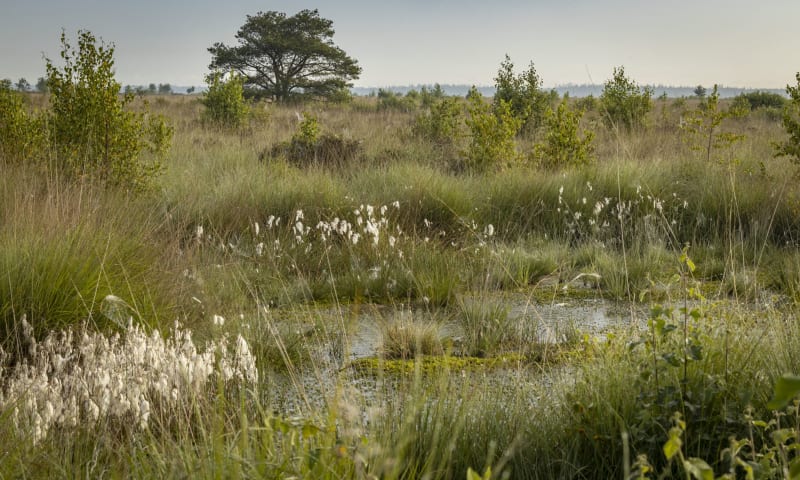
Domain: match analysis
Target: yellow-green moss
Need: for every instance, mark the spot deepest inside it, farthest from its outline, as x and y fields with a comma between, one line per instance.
x=446, y=363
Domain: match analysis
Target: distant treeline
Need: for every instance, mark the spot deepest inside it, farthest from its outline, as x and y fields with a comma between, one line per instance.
x=461, y=90
x=574, y=90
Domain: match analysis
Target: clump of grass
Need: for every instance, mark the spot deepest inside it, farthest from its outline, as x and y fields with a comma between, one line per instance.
x=66, y=250
x=742, y=283
x=489, y=329
x=407, y=338
x=521, y=265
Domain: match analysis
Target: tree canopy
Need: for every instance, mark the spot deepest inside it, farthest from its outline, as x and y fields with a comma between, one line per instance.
x=287, y=57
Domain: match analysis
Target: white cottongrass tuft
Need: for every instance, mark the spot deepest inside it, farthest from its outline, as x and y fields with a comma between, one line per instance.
x=80, y=378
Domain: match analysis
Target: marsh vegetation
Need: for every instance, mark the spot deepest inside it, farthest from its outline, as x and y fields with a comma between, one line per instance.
x=366, y=289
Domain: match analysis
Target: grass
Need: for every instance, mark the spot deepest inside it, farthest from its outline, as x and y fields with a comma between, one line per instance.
x=206, y=244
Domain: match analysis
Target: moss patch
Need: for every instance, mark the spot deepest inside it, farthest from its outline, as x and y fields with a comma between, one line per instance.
x=438, y=364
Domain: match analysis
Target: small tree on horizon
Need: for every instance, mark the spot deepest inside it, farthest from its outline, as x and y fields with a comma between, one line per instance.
x=625, y=104
x=23, y=85
x=522, y=92
x=41, y=85
x=287, y=57
x=700, y=92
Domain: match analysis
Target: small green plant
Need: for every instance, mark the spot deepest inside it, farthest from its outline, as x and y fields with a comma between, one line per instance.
x=791, y=123
x=224, y=100
x=492, y=133
x=442, y=124
x=308, y=130
x=563, y=146
x=625, y=104
x=703, y=127
x=90, y=127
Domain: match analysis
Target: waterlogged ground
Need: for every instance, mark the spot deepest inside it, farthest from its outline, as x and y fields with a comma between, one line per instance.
x=551, y=322
x=306, y=389
x=556, y=323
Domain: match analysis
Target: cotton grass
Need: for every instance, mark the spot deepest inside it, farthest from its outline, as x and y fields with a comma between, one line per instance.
x=79, y=378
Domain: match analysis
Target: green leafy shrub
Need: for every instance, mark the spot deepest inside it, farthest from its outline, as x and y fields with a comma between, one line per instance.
x=563, y=145
x=308, y=130
x=224, y=100
x=21, y=134
x=624, y=103
x=442, y=125
x=587, y=104
x=703, y=127
x=761, y=99
x=523, y=93
x=791, y=123
x=429, y=96
x=492, y=133
x=90, y=127
x=389, y=100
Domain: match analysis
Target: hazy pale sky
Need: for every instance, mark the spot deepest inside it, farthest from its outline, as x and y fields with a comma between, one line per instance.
x=678, y=42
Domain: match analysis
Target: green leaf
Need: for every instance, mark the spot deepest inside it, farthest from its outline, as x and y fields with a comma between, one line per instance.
x=310, y=430
x=794, y=469
x=698, y=469
x=673, y=446
x=696, y=351
x=690, y=264
x=787, y=387
x=473, y=475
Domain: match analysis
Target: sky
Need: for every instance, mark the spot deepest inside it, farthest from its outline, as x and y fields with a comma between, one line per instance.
x=738, y=43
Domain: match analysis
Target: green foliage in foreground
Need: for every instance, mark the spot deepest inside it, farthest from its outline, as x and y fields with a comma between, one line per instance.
x=677, y=399
x=92, y=128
